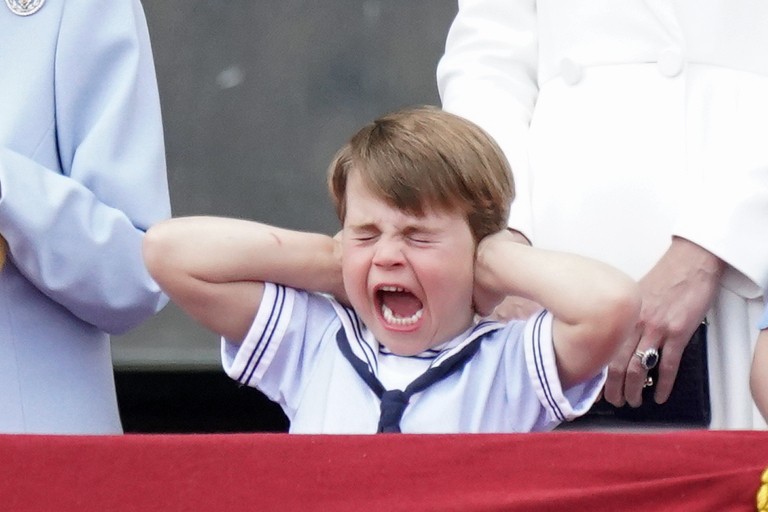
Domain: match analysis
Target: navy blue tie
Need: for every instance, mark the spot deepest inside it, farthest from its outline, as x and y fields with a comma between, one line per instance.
x=394, y=402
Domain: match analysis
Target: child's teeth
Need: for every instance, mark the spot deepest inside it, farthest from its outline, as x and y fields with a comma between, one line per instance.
x=390, y=317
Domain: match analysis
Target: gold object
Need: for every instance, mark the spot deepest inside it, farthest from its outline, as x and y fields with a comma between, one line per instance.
x=3, y=251
x=762, y=493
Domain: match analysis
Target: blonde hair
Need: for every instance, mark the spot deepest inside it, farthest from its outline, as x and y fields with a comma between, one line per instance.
x=425, y=158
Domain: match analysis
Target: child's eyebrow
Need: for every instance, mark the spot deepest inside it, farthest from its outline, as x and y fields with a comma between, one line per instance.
x=420, y=229
x=409, y=229
x=364, y=226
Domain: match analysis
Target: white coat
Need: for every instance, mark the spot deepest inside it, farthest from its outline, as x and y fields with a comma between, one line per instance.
x=82, y=176
x=626, y=123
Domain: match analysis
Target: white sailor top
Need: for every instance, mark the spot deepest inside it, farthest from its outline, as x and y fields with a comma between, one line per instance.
x=510, y=384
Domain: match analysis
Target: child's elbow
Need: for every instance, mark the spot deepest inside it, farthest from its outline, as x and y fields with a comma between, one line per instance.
x=621, y=310
x=155, y=250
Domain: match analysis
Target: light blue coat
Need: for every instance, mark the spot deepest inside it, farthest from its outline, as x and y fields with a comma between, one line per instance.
x=82, y=176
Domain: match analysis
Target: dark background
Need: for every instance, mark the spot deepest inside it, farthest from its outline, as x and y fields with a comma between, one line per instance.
x=257, y=96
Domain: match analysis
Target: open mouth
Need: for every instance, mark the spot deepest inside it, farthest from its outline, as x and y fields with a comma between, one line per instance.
x=398, y=306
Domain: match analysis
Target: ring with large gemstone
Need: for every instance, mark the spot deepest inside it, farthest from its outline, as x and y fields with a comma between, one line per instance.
x=648, y=359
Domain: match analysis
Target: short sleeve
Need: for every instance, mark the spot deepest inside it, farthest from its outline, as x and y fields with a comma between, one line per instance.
x=560, y=405
x=290, y=330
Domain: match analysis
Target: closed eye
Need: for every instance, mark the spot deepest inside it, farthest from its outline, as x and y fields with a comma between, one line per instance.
x=420, y=239
x=363, y=234
x=420, y=236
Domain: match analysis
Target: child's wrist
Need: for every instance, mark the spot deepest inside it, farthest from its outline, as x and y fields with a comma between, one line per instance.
x=489, y=260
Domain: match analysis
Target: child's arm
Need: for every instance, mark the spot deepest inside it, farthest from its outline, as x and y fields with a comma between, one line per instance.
x=758, y=378
x=594, y=305
x=214, y=268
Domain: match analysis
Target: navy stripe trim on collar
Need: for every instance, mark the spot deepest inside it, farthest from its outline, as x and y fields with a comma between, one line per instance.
x=365, y=348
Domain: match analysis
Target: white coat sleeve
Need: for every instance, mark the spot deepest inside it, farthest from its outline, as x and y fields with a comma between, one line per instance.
x=725, y=210
x=76, y=234
x=488, y=75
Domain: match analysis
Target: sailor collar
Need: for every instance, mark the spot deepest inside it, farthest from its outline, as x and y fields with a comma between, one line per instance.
x=366, y=348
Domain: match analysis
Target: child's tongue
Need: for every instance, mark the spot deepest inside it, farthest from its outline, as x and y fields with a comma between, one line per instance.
x=402, y=304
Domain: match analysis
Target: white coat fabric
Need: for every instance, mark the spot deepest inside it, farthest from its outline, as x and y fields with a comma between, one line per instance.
x=627, y=123
x=82, y=176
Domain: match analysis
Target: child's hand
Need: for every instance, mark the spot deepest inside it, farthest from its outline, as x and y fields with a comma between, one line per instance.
x=514, y=307
x=339, y=292
x=485, y=303
x=496, y=305
x=486, y=294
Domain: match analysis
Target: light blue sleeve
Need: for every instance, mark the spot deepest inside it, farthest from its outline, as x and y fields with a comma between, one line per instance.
x=764, y=320
x=75, y=227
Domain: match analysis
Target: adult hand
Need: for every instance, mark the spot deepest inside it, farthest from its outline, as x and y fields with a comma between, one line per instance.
x=676, y=294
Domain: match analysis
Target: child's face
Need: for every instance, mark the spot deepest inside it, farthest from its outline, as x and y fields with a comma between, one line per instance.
x=409, y=278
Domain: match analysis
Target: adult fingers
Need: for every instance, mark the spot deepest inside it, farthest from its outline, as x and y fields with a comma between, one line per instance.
x=669, y=366
x=613, y=391
x=644, y=358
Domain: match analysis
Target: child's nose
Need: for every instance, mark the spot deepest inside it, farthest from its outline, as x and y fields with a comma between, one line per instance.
x=388, y=253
